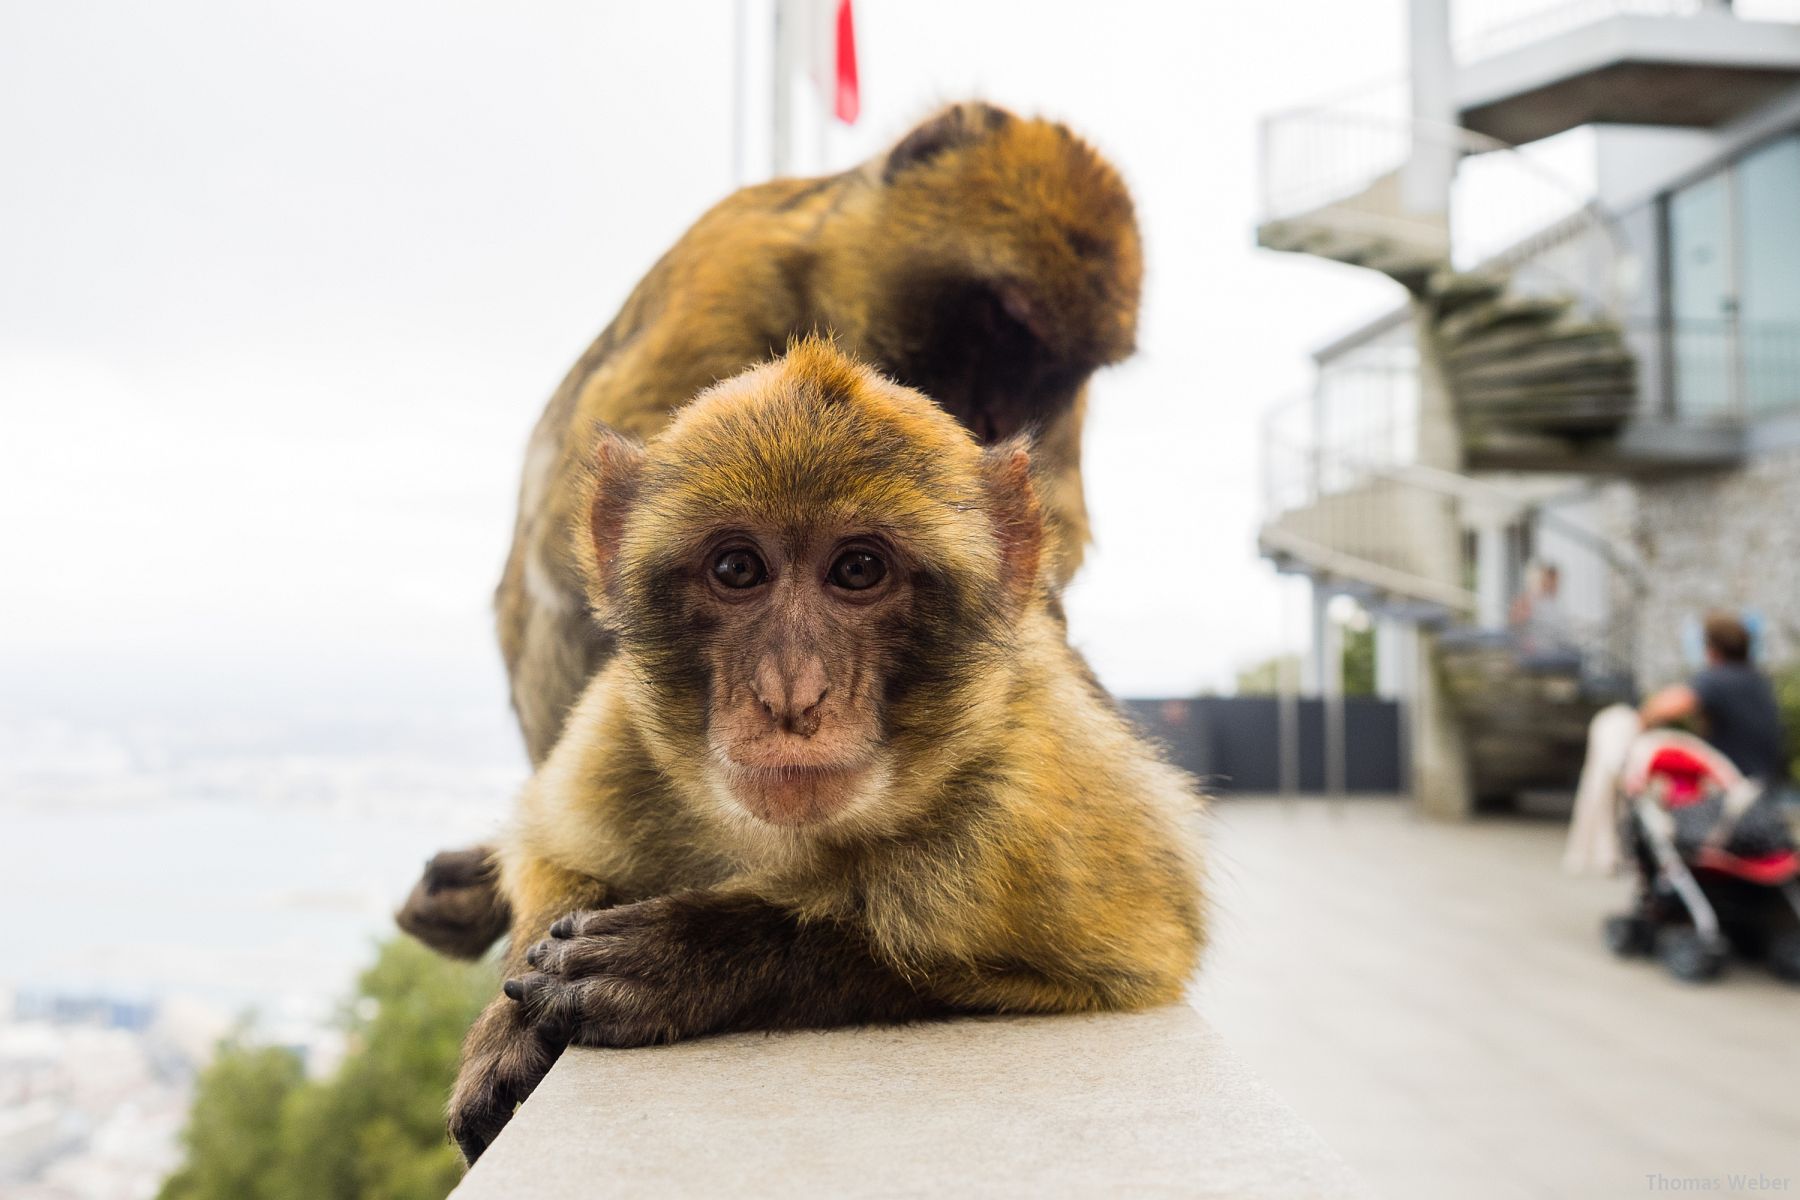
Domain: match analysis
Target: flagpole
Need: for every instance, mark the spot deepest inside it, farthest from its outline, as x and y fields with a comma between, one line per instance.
x=740, y=79
x=781, y=100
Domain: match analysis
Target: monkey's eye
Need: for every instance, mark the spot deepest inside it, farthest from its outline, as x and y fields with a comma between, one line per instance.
x=739, y=569
x=856, y=570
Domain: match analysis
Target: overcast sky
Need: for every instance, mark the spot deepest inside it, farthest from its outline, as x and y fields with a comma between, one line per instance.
x=283, y=288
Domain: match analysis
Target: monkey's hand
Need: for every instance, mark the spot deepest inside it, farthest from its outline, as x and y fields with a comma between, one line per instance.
x=503, y=1060
x=703, y=962
x=456, y=907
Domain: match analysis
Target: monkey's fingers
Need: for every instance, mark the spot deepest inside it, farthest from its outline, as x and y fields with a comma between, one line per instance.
x=502, y=1064
x=598, y=922
x=594, y=1010
x=474, y=1127
x=481, y=1105
x=599, y=953
x=488, y=1093
x=460, y=869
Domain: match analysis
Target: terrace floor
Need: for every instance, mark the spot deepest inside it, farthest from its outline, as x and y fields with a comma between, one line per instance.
x=1435, y=1000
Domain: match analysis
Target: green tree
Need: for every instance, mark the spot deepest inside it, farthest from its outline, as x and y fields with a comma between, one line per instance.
x=374, y=1130
x=1787, y=693
x=1359, y=661
x=1264, y=678
x=233, y=1130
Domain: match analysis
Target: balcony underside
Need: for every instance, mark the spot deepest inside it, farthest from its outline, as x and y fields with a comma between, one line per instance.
x=1630, y=94
x=1682, y=71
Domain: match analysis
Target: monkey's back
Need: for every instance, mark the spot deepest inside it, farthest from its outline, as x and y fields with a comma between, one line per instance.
x=728, y=294
x=990, y=261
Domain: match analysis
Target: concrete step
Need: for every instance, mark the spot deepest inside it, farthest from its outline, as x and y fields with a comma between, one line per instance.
x=1569, y=431
x=1557, y=360
x=1547, y=409
x=1496, y=446
x=1505, y=311
x=1451, y=290
x=1337, y=234
x=1526, y=728
x=1571, y=330
x=1562, y=413
x=1501, y=394
x=1529, y=363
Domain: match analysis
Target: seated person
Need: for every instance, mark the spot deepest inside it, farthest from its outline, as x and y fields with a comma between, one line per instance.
x=1733, y=702
x=1541, y=629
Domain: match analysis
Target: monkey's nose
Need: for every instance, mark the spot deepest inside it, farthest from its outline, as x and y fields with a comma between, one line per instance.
x=791, y=699
x=806, y=721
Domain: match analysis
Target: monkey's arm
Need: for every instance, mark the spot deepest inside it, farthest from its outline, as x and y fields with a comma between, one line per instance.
x=504, y=1056
x=701, y=962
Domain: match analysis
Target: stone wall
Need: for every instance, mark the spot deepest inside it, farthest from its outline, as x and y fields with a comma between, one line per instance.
x=1727, y=540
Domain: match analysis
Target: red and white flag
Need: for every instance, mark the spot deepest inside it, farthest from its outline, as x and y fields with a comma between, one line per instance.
x=846, y=100
x=829, y=28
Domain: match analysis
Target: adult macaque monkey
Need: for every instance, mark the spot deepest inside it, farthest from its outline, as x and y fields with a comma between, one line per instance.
x=842, y=766
x=988, y=260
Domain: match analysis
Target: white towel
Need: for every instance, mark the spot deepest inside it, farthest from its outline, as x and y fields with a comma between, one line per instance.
x=1593, y=845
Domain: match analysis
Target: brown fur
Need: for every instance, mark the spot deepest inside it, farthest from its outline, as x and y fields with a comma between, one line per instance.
x=1015, y=847
x=988, y=260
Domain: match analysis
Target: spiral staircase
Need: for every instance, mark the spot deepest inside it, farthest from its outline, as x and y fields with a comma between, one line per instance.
x=1520, y=304
x=1389, y=535
x=1516, y=322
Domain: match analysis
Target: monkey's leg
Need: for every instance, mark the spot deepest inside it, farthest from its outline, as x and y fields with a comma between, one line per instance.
x=504, y=1055
x=705, y=962
x=456, y=907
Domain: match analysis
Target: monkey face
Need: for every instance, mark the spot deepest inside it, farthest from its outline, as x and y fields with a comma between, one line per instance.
x=807, y=571
x=802, y=629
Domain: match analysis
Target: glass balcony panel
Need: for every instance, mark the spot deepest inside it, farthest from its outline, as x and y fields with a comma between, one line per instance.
x=1768, y=211
x=1702, y=297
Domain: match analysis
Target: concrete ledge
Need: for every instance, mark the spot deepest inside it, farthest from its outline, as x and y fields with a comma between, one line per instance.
x=1142, y=1104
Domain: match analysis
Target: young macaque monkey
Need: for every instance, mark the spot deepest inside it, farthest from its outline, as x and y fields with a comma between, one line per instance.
x=843, y=768
x=990, y=260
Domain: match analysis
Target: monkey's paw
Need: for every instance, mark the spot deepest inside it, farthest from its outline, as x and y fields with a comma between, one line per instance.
x=616, y=977
x=503, y=1061
x=456, y=907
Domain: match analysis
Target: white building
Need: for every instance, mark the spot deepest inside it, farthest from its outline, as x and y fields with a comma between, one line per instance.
x=1601, y=375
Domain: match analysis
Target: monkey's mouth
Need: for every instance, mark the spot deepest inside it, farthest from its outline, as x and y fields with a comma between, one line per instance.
x=795, y=793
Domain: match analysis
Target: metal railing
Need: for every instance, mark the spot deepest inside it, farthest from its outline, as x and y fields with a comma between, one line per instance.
x=1309, y=452
x=1375, y=521
x=1485, y=28
x=1341, y=165
x=1723, y=369
x=1342, y=503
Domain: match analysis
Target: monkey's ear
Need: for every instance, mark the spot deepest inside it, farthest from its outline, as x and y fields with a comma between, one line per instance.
x=1017, y=515
x=958, y=125
x=614, y=473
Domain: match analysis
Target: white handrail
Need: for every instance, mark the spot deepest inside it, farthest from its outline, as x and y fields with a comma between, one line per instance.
x=1333, y=510
x=1324, y=164
x=1548, y=20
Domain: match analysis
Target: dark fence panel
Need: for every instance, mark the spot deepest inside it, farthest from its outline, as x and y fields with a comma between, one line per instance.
x=1233, y=743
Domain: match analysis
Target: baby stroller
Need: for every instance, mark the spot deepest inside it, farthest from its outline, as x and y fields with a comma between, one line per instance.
x=1717, y=867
